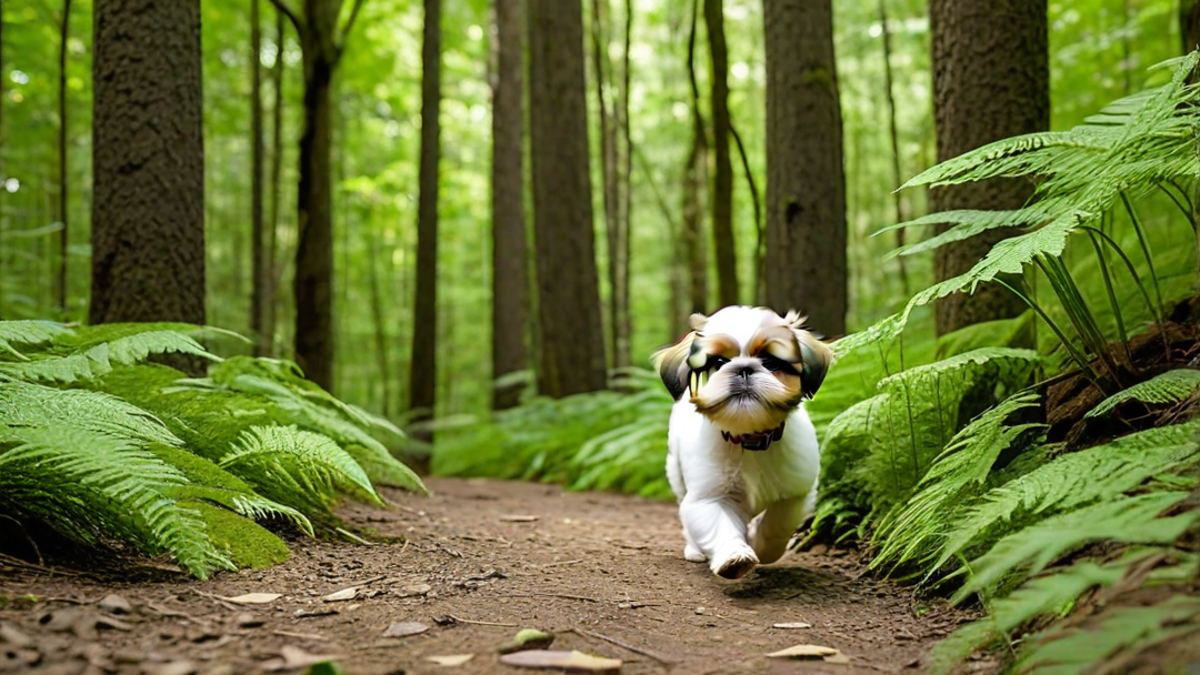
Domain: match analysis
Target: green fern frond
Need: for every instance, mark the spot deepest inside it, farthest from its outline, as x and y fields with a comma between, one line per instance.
x=1169, y=387
x=27, y=333
x=1115, y=639
x=1073, y=480
x=290, y=465
x=82, y=482
x=25, y=405
x=1131, y=520
x=909, y=530
x=1045, y=595
x=93, y=359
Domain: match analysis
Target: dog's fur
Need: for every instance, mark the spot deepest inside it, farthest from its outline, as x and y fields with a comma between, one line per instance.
x=744, y=482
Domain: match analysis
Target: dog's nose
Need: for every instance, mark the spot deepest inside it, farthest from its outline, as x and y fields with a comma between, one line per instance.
x=746, y=372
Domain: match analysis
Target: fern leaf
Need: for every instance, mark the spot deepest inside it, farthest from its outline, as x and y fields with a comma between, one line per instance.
x=1132, y=520
x=27, y=333
x=289, y=465
x=1044, y=595
x=25, y=405
x=1169, y=387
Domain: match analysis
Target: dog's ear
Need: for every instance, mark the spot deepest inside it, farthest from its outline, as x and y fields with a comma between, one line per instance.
x=815, y=356
x=672, y=366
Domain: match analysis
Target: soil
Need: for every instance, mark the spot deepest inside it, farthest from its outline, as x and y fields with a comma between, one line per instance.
x=479, y=560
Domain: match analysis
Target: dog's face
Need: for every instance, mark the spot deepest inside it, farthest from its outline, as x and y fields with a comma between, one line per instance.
x=745, y=368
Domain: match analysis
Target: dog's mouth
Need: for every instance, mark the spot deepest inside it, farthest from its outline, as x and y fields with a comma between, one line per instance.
x=758, y=441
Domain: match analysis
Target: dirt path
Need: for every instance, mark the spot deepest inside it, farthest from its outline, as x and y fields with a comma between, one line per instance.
x=589, y=567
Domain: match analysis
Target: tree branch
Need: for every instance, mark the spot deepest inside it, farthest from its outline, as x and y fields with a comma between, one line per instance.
x=287, y=11
x=341, y=45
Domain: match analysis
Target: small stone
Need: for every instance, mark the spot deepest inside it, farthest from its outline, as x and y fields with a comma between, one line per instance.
x=173, y=668
x=115, y=604
x=128, y=656
x=417, y=589
x=248, y=620
x=699, y=610
x=10, y=635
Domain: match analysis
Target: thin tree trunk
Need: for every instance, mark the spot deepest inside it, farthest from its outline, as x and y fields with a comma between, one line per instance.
x=891, y=106
x=693, y=177
x=63, y=177
x=806, y=193
x=148, y=159
x=724, y=245
x=3, y=174
x=985, y=89
x=377, y=319
x=572, y=342
x=260, y=266
x=273, y=280
x=602, y=67
x=510, y=259
x=423, y=366
x=625, y=193
x=760, y=237
x=1189, y=32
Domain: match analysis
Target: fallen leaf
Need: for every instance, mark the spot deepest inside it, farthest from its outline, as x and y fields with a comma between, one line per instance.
x=405, y=629
x=804, y=652
x=566, y=661
x=344, y=594
x=518, y=519
x=294, y=657
x=837, y=658
x=528, y=638
x=451, y=660
x=254, y=598
x=115, y=604
x=796, y=624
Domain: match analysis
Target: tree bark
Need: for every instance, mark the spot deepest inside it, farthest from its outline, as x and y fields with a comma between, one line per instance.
x=423, y=366
x=148, y=159
x=985, y=89
x=572, y=343
x=260, y=266
x=694, y=176
x=510, y=264
x=602, y=68
x=63, y=172
x=273, y=281
x=1189, y=25
x=806, y=211
x=724, y=245
x=622, y=332
x=897, y=179
x=377, y=318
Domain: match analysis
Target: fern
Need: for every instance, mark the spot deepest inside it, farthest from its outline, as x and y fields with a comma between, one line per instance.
x=1074, y=480
x=1115, y=639
x=93, y=359
x=1168, y=387
x=1132, y=520
x=961, y=470
x=26, y=332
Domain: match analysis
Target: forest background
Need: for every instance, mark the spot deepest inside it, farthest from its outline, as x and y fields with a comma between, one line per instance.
x=1099, y=50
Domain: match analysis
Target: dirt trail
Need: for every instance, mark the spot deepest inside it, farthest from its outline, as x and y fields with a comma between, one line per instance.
x=598, y=570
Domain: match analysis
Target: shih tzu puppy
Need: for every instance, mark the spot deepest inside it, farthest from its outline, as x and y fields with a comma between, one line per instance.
x=742, y=454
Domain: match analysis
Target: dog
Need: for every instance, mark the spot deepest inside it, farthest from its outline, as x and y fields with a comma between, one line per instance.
x=742, y=454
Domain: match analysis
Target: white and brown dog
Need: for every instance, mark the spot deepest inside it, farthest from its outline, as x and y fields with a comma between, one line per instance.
x=743, y=456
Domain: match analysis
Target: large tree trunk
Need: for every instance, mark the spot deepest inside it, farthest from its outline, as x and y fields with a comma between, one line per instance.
x=423, y=366
x=260, y=267
x=510, y=266
x=806, y=200
x=148, y=163
x=63, y=172
x=724, y=245
x=990, y=81
x=572, y=343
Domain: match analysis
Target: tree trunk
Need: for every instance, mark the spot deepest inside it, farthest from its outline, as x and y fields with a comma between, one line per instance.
x=622, y=332
x=724, y=245
x=148, y=159
x=63, y=172
x=897, y=178
x=572, y=343
x=273, y=281
x=423, y=366
x=602, y=68
x=377, y=317
x=3, y=173
x=510, y=266
x=694, y=176
x=985, y=89
x=260, y=266
x=806, y=209
x=1189, y=25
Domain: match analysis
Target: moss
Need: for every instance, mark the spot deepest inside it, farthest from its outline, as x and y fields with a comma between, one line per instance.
x=818, y=77
x=246, y=542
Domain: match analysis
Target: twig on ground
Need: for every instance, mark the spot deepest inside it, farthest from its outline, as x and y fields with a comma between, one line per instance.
x=622, y=644
x=459, y=619
x=565, y=596
x=301, y=636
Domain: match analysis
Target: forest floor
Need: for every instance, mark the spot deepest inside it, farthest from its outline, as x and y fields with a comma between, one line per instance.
x=603, y=572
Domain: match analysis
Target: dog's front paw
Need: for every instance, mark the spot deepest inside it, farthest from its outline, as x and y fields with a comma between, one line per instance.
x=692, y=553
x=734, y=563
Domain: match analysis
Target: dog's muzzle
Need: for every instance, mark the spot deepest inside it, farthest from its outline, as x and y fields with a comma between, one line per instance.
x=758, y=441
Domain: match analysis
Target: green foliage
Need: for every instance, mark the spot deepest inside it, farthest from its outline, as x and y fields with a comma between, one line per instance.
x=1168, y=387
x=140, y=453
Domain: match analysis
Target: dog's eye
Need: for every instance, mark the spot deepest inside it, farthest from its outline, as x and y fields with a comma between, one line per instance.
x=715, y=362
x=778, y=365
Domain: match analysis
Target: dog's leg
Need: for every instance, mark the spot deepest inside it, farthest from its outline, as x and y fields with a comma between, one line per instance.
x=717, y=528
x=773, y=528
